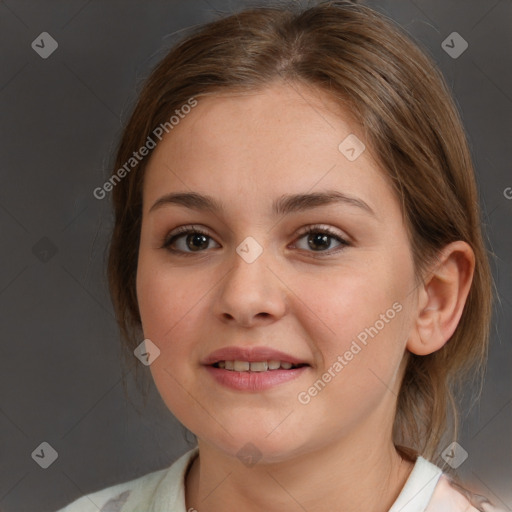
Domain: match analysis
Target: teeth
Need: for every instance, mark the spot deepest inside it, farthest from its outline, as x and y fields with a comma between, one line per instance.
x=256, y=366
x=259, y=367
x=242, y=366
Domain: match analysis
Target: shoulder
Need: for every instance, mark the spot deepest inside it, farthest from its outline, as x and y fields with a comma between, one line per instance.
x=114, y=498
x=429, y=489
x=139, y=493
x=449, y=496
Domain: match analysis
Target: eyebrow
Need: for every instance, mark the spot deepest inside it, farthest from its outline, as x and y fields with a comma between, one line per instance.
x=285, y=204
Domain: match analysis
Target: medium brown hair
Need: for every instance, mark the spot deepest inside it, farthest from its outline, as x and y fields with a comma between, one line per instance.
x=412, y=127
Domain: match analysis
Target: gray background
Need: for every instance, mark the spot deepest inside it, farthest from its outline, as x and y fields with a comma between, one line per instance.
x=60, y=377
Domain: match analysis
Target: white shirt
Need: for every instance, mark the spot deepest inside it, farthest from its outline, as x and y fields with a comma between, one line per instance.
x=427, y=489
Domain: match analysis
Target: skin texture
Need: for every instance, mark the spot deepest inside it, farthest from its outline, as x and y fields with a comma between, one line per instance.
x=336, y=452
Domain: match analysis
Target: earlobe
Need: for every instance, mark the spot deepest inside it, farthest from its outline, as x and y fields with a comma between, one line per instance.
x=441, y=299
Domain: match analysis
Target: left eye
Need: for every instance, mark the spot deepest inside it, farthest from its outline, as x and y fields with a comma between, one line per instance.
x=196, y=240
x=321, y=238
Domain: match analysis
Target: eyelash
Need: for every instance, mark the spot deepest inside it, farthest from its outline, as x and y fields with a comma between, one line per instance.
x=183, y=230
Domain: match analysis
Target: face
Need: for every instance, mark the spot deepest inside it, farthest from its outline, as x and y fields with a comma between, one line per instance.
x=336, y=302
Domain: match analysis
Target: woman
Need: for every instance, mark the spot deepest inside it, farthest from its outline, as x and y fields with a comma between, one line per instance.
x=297, y=241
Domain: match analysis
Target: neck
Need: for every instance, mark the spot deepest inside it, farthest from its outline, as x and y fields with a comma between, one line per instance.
x=345, y=475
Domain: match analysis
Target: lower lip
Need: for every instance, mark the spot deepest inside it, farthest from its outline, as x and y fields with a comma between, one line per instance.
x=254, y=381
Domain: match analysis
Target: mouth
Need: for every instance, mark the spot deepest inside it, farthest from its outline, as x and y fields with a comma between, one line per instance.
x=256, y=366
x=253, y=369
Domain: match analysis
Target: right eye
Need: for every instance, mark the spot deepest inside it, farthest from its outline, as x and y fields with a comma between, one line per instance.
x=190, y=240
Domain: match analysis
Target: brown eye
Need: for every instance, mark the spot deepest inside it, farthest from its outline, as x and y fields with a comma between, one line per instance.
x=319, y=240
x=196, y=241
x=187, y=240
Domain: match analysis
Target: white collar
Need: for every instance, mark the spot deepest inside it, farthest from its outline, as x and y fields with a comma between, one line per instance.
x=414, y=497
x=419, y=487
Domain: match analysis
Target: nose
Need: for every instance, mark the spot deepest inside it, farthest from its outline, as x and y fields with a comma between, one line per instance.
x=251, y=293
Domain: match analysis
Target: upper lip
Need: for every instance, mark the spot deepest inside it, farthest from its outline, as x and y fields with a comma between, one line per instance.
x=251, y=354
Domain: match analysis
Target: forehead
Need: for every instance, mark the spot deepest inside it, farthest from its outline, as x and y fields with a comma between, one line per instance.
x=262, y=144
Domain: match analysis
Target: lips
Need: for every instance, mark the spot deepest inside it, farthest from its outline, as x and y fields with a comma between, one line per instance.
x=253, y=369
x=251, y=355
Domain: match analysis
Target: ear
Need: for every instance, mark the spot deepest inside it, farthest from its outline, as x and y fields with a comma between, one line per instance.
x=441, y=298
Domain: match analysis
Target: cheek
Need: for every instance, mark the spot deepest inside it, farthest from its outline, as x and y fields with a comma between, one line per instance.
x=166, y=301
x=357, y=313
x=165, y=315
x=346, y=302
x=360, y=318
x=169, y=304
x=174, y=307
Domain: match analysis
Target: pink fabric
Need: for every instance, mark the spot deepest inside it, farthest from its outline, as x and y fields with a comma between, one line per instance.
x=449, y=497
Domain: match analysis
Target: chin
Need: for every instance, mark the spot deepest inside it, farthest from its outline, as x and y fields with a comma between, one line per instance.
x=254, y=445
